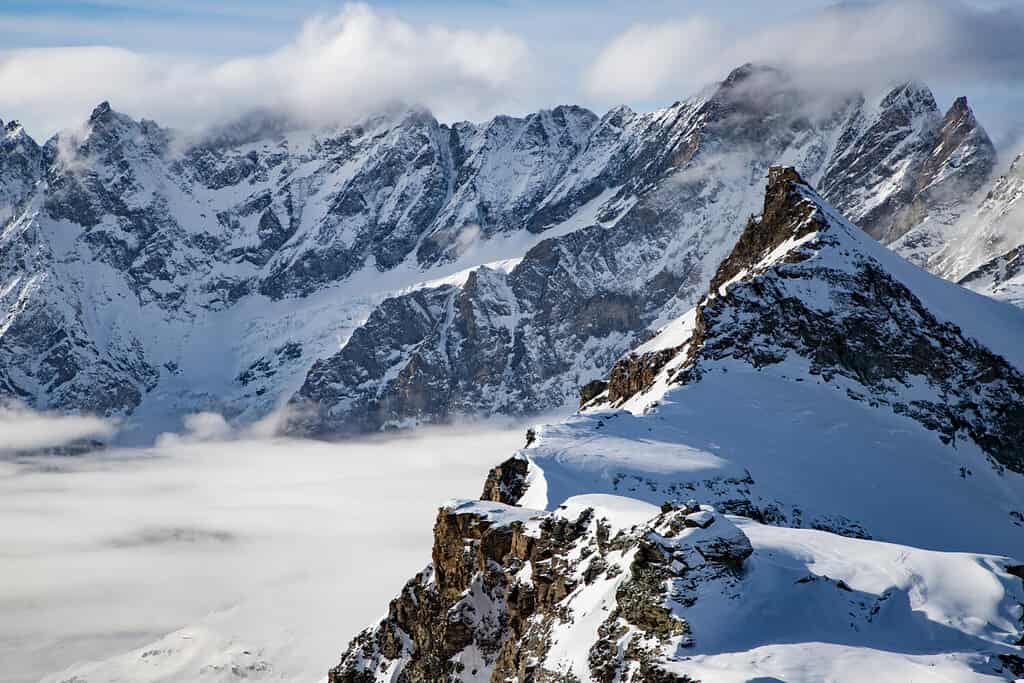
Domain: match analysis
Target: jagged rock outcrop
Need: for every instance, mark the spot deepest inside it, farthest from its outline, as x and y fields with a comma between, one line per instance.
x=507, y=481
x=504, y=581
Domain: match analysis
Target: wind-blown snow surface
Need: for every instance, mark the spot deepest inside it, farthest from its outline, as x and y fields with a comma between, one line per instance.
x=802, y=450
x=198, y=560
x=817, y=607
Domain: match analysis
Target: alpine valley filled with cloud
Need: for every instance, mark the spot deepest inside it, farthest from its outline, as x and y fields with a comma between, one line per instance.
x=334, y=349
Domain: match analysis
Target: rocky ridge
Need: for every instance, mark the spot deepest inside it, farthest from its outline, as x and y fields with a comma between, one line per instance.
x=505, y=580
x=871, y=330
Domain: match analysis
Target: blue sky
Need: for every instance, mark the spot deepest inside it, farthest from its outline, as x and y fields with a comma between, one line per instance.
x=597, y=53
x=240, y=26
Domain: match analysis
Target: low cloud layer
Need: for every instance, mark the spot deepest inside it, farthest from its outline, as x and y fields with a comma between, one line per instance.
x=338, y=68
x=22, y=429
x=280, y=548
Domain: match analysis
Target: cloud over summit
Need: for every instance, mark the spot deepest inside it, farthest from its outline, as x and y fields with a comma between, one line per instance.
x=339, y=68
x=850, y=45
x=473, y=63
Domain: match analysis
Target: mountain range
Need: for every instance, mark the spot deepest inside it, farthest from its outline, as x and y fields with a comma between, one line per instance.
x=403, y=271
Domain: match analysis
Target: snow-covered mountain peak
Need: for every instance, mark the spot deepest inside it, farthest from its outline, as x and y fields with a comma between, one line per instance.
x=103, y=113
x=806, y=295
x=914, y=97
x=12, y=129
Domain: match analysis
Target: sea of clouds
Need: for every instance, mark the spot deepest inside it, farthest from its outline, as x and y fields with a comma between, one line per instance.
x=241, y=546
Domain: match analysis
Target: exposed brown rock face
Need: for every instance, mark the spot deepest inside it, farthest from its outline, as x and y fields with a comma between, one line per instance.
x=785, y=216
x=506, y=482
x=431, y=615
x=591, y=390
x=634, y=373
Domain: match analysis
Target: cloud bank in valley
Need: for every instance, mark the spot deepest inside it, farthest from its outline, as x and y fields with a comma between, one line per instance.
x=276, y=547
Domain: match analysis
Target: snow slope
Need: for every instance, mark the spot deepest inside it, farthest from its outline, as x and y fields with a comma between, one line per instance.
x=813, y=475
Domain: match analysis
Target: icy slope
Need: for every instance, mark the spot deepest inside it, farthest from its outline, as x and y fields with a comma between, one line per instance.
x=985, y=255
x=993, y=230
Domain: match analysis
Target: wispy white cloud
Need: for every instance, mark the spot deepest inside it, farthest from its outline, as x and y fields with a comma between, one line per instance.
x=337, y=68
x=848, y=45
x=22, y=429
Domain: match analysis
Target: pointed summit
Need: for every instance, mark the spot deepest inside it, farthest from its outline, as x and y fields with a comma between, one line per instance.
x=748, y=71
x=102, y=112
x=913, y=96
x=961, y=116
x=960, y=105
x=963, y=137
x=960, y=161
x=787, y=215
